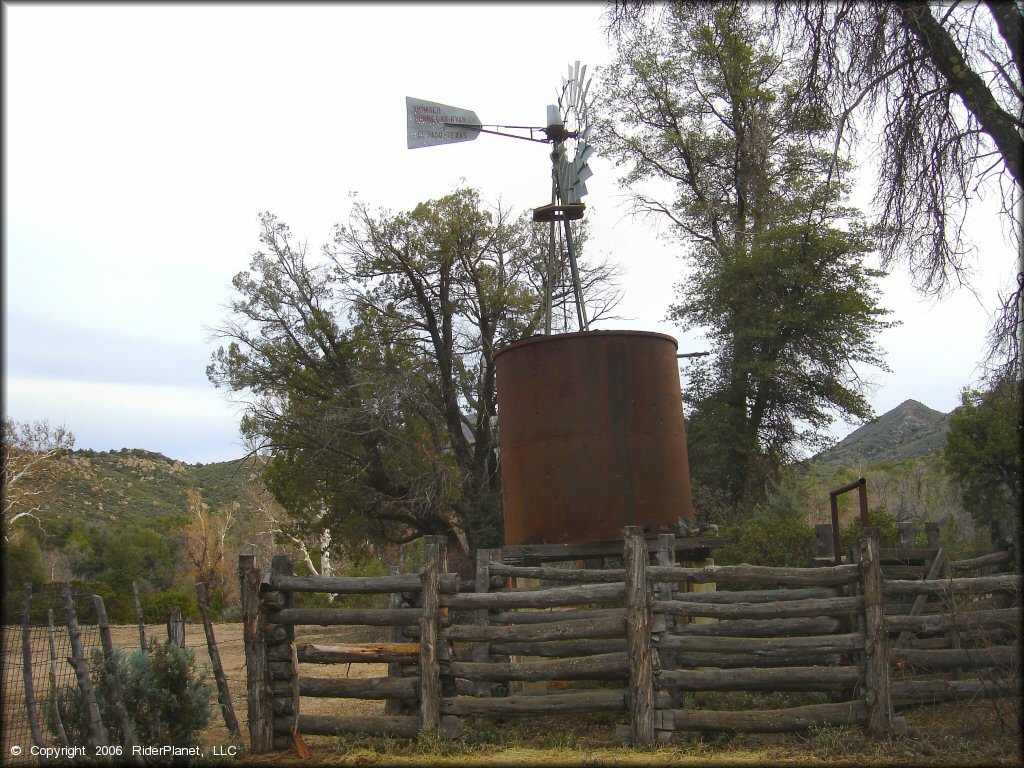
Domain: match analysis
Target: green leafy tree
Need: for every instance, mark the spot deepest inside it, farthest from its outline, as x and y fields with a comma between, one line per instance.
x=983, y=451
x=700, y=104
x=368, y=374
x=776, y=534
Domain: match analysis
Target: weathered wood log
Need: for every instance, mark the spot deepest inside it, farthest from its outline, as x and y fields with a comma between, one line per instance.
x=770, y=720
x=274, y=600
x=985, y=561
x=934, y=571
x=176, y=627
x=638, y=637
x=540, y=704
x=761, y=627
x=394, y=706
x=481, y=584
x=98, y=735
x=275, y=634
x=760, y=679
x=403, y=688
x=754, y=595
x=903, y=571
x=337, y=725
x=967, y=619
x=757, y=574
x=876, y=639
x=930, y=643
x=537, y=598
x=223, y=692
x=360, y=585
x=116, y=692
x=569, y=630
x=354, y=653
x=600, y=667
x=775, y=647
x=976, y=585
x=58, y=723
x=834, y=606
x=738, y=660
x=26, y=672
x=325, y=617
x=917, y=692
x=547, y=617
x=561, y=648
x=907, y=556
x=138, y=615
x=968, y=658
x=430, y=671
x=536, y=553
x=571, y=575
x=260, y=715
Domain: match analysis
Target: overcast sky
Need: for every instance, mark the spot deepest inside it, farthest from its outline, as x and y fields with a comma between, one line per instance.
x=142, y=141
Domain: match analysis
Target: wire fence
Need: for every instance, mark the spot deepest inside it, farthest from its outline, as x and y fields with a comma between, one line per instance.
x=49, y=648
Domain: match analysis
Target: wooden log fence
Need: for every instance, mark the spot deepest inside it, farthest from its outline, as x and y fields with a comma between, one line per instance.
x=455, y=649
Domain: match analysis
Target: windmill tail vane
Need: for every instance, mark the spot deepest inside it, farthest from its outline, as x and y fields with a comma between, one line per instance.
x=431, y=124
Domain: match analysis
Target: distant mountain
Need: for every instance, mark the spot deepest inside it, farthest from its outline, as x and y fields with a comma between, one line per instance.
x=138, y=485
x=911, y=430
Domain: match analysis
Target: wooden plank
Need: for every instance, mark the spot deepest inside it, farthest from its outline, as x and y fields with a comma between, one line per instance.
x=834, y=606
x=259, y=706
x=568, y=630
x=876, y=639
x=350, y=653
x=965, y=586
x=757, y=574
x=326, y=617
x=430, y=671
x=638, y=638
x=805, y=678
x=537, y=598
x=770, y=720
x=359, y=585
x=599, y=667
x=768, y=647
x=541, y=704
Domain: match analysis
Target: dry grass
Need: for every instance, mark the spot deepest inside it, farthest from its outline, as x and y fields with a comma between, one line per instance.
x=979, y=733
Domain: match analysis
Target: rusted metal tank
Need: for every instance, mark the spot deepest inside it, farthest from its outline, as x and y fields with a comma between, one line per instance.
x=592, y=437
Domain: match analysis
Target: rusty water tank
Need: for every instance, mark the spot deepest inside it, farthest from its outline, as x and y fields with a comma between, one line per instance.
x=592, y=437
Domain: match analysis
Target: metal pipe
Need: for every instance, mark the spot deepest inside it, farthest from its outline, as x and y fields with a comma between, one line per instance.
x=861, y=485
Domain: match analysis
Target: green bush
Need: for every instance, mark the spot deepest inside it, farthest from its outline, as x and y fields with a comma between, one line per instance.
x=168, y=700
x=888, y=530
x=776, y=534
x=157, y=605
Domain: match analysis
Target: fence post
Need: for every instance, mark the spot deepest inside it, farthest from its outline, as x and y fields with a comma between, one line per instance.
x=394, y=706
x=876, y=639
x=482, y=650
x=51, y=632
x=258, y=702
x=176, y=627
x=138, y=613
x=223, y=694
x=430, y=670
x=127, y=729
x=26, y=669
x=638, y=638
x=98, y=736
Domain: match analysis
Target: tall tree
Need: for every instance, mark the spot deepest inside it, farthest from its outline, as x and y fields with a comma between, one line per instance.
x=939, y=88
x=368, y=374
x=698, y=103
x=983, y=451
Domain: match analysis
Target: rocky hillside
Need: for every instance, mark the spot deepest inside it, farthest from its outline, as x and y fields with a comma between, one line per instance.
x=911, y=430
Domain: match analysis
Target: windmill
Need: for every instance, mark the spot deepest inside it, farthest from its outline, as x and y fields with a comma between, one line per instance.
x=431, y=124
